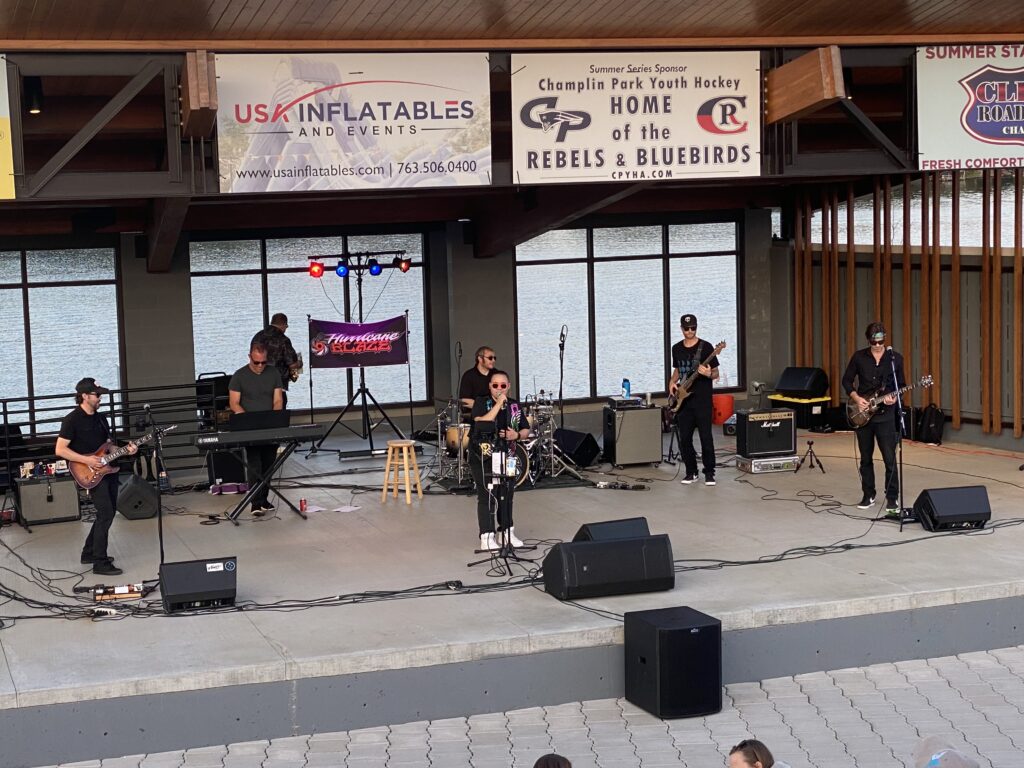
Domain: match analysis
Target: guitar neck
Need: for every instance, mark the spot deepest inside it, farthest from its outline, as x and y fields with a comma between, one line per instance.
x=117, y=453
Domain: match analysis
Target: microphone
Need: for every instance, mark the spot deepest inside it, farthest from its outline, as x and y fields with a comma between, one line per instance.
x=458, y=349
x=889, y=348
x=49, y=491
x=564, y=333
x=146, y=407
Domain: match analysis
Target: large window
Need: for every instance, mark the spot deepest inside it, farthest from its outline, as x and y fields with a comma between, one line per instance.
x=237, y=284
x=60, y=324
x=607, y=286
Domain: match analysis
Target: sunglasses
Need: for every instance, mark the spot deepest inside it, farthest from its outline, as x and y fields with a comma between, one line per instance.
x=490, y=357
x=500, y=386
x=258, y=362
x=878, y=340
x=689, y=327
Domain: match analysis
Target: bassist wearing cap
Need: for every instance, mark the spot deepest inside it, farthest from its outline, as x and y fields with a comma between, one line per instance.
x=693, y=407
x=870, y=372
x=83, y=433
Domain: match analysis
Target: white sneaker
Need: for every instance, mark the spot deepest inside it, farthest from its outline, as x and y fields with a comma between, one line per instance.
x=488, y=542
x=512, y=538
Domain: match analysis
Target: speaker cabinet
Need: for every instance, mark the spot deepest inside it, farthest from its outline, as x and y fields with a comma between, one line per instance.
x=578, y=569
x=946, y=509
x=581, y=447
x=224, y=467
x=632, y=436
x=628, y=528
x=137, y=499
x=802, y=382
x=674, y=662
x=198, y=584
x=47, y=499
x=765, y=433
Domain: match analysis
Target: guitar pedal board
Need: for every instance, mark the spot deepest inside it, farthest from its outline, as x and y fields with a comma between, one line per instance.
x=773, y=464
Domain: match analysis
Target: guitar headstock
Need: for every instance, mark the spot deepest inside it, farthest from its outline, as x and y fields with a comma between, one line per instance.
x=720, y=346
x=926, y=381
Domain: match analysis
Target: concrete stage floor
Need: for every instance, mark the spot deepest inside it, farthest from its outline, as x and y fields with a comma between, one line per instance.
x=393, y=546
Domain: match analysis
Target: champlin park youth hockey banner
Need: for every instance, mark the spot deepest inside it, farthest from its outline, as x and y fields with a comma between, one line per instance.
x=301, y=122
x=580, y=117
x=970, y=106
x=351, y=345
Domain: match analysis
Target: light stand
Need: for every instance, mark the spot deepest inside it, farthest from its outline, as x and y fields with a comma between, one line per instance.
x=905, y=514
x=408, y=371
x=811, y=458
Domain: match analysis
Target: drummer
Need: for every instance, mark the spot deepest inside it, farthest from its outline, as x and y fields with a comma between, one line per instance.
x=474, y=381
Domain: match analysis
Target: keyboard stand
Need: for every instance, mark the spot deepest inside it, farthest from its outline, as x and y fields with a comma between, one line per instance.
x=264, y=482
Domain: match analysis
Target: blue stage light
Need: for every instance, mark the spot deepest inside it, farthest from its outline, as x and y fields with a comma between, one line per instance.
x=374, y=266
x=342, y=269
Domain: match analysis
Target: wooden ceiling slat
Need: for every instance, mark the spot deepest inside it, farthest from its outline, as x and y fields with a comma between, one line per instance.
x=362, y=16
x=272, y=26
x=261, y=18
x=245, y=17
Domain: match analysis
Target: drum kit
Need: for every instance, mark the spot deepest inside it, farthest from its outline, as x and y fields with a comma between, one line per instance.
x=538, y=456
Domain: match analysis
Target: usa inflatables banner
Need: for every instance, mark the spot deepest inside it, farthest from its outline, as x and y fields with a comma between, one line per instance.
x=354, y=345
x=328, y=121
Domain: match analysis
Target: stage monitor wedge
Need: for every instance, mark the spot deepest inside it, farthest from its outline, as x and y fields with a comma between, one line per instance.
x=580, y=569
x=802, y=382
x=581, y=447
x=947, y=509
x=195, y=584
x=628, y=528
x=137, y=499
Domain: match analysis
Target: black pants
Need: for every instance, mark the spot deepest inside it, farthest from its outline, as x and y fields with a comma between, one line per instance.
x=104, y=498
x=880, y=430
x=258, y=460
x=696, y=416
x=488, y=498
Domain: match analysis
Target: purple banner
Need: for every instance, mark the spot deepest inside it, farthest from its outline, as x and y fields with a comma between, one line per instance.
x=351, y=345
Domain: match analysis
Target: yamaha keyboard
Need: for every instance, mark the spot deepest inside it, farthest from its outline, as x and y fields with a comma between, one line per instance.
x=297, y=433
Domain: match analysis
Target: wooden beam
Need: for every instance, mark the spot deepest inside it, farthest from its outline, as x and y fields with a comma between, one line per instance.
x=997, y=302
x=164, y=231
x=924, y=332
x=935, y=319
x=885, y=289
x=798, y=282
x=198, y=95
x=954, y=314
x=501, y=226
x=1018, y=305
x=804, y=85
x=986, y=308
x=907, y=269
x=851, y=269
x=825, y=314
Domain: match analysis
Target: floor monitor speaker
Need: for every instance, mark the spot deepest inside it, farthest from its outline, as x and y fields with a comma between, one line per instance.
x=579, y=569
x=137, y=499
x=581, y=447
x=674, y=662
x=802, y=382
x=192, y=584
x=628, y=528
x=945, y=509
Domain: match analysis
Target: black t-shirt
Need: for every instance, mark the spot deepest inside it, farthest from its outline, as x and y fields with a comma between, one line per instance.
x=474, y=384
x=687, y=360
x=280, y=352
x=511, y=417
x=84, y=433
x=872, y=377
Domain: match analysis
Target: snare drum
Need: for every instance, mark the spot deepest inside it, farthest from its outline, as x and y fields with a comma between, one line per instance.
x=456, y=439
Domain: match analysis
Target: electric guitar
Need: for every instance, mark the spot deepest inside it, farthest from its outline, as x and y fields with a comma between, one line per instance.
x=858, y=416
x=88, y=478
x=675, y=402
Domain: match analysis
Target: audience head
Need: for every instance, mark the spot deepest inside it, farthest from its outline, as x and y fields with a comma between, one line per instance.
x=280, y=320
x=552, y=761
x=750, y=753
x=937, y=752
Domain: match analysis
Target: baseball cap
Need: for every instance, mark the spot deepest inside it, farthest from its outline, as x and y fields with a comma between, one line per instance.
x=688, y=320
x=937, y=752
x=88, y=385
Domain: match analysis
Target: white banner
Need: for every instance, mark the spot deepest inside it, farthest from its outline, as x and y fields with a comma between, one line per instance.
x=580, y=117
x=6, y=145
x=970, y=106
x=300, y=122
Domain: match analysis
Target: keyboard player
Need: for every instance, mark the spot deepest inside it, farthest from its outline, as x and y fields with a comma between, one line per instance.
x=256, y=387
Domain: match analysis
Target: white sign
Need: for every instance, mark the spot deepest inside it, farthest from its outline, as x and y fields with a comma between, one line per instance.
x=580, y=117
x=306, y=122
x=970, y=106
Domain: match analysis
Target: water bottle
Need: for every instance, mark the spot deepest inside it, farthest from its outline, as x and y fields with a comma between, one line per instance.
x=625, y=388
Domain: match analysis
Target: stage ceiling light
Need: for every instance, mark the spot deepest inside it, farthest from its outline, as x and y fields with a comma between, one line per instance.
x=316, y=269
x=402, y=265
x=342, y=269
x=374, y=266
x=33, y=94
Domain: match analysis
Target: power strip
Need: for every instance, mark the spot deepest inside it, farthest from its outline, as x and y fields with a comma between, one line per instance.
x=621, y=486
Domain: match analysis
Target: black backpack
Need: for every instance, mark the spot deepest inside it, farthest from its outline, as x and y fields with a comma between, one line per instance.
x=930, y=424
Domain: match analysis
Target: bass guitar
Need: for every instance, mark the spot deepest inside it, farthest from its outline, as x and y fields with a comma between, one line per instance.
x=88, y=478
x=857, y=416
x=683, y=390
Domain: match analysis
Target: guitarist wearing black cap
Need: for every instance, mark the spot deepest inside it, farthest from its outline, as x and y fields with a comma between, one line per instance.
x=694, y=356
x=82, y=433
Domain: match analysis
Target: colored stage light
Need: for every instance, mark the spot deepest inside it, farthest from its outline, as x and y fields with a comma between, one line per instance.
x=401, y=264
x=342, y=269
x=316, y=269
x=374, y=266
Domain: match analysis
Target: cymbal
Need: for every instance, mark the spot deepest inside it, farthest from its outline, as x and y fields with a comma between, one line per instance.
x=446, y=400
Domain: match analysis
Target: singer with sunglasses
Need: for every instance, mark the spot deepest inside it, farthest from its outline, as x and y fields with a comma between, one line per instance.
x=869, y=372
x=474, y=382
x=498, y=424
x=257, y=387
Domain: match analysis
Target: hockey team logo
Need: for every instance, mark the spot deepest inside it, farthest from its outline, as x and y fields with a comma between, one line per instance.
x=721, y=115
x=995, y=105
x=543, y=113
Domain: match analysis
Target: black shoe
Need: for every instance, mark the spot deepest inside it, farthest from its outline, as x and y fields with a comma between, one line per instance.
x=866, y=501
x=106, y=568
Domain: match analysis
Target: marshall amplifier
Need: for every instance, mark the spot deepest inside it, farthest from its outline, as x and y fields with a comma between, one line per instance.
x=765, y=433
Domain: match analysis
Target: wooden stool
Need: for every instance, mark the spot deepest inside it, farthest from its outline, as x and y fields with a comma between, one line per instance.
x=400, y=454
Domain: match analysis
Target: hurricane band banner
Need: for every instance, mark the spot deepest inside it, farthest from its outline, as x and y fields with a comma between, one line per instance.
x=970, y=106
x=352, y=345
x=297, y=122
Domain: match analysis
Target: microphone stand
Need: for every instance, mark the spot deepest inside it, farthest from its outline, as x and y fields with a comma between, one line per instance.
x=408, y=369
x=561, y=375
x=159, y=451
x=309, y=337
x=904, y=517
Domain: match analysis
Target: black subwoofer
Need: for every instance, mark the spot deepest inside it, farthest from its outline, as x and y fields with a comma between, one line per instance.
x=945, y=509
x=578, y=569
x=674, y=662
x=802, y=382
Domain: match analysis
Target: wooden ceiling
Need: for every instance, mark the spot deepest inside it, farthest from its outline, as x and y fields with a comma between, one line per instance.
x=514, y=24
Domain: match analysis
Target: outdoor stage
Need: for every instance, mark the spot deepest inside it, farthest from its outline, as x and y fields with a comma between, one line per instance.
x=85, y=689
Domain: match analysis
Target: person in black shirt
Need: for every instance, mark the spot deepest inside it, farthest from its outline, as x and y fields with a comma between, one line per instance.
x=475, y=381
x=83, y=432
x=695, y=413
x=870, y=372
x=498, y=423
x=280, y=352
